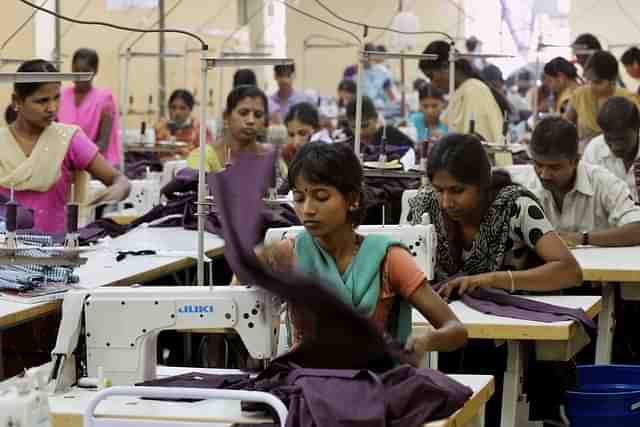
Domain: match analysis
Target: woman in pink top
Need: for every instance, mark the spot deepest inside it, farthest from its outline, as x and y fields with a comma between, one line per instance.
x=40, y=156
x=92, y=108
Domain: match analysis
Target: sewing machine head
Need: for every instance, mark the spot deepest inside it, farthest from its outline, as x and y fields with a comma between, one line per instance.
x=121, y=325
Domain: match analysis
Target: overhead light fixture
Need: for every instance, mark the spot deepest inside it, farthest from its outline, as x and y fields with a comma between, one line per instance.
x=213, y=62
x=45, y=77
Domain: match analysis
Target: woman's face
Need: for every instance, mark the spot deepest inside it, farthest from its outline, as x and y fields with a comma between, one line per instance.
x=246, y=120
x=40, y=108
x=299, y=133
x=345, y=97
x=431, y=108
x=322, y=209
x=82, y=66
x=179, y=111
x=458, y=200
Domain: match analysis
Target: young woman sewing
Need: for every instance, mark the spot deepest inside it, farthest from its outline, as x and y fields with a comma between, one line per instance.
x=373, y=273
x=40, y=156
x=303, y=125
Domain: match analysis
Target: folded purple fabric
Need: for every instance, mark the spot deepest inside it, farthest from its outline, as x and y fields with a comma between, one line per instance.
x=345, y=339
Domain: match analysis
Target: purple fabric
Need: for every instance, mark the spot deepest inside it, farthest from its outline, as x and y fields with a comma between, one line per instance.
x=345, y=339
x=500, y=303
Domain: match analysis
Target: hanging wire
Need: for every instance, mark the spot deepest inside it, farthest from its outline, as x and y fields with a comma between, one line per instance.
x=374, y=27
x=114, y=26
x=628, y=15
x=82, y=10
x=167, y=13
x=315, y=18
x=20, y=27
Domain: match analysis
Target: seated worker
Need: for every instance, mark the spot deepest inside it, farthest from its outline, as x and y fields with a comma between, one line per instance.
x=587, y=204
x=246, y=118
x=40, y=156
x=375, y=139
x=495, y=232
x=472, y=97
x=244, y=76
x=303, y=125
x=478, y=212
x=374, y=274
x=561, y=76
x=181, y=126
x=427, y=120
x=601, y=74
x=617, y=148
x=631, y=61
x=286, y=96
x=377, y=80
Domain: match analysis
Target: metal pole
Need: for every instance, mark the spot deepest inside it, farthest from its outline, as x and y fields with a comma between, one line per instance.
x=358, y=130
x=162, y=70
x=125, y=109
x=452, y=70
x=58, y=52
x=201, y=168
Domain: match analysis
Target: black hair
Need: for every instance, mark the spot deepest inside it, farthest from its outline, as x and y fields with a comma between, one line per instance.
x=239, y=93
x=430, y=91
x=10, y=115
x=560, y=65
x=22, y=90
x=555, y=137
x=418, y=83
x=284, y=69
x=348, y=86
x=370, y=47
x=88, y=55
x=631, y=56
x=441, y=48
x=184, y=95
x=369, y=110
x=603, y=64
x=305, y=113
x=381, y=48
x=491, y=73
x=244, y=76
x=587, y=41
x=471, y=43
x=618, y=113
x=465, y=159
x=330, y=164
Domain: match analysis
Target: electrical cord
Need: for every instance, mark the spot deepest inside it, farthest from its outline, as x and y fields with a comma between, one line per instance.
x=20, y=27
x=315, y=18
x=374, y=27
x=116, y=27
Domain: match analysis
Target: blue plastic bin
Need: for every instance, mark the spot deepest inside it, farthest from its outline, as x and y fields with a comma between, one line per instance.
x=607, y=395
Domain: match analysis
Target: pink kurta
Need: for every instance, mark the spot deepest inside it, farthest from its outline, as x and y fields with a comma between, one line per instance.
x=49, y=206
x=87, y=116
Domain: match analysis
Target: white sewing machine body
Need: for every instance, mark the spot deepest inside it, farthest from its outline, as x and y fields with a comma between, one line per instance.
x=122, y=324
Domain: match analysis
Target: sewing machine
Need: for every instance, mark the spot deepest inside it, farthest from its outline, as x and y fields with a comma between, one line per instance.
x=114, y=330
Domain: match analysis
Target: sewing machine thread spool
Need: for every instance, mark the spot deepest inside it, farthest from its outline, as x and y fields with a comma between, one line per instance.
x=72, y=218
x=12, y=216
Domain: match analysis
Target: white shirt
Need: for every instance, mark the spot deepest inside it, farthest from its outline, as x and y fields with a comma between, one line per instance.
x=598, y=153
x=598, y=201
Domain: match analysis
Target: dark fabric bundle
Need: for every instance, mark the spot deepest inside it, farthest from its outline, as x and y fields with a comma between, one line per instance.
x=138, y=163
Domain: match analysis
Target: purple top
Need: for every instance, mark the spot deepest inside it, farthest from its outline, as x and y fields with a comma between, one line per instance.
x=49, y=207
x=276, y=105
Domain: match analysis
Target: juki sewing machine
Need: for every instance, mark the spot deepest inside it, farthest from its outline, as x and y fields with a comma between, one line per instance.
x=114, y=331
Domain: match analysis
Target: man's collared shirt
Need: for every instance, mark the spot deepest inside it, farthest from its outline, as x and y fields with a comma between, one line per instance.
x=277, y=105
x=598, y=153
x=598, y=200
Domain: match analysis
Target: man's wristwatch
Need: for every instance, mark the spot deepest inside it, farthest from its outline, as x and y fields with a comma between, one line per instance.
x=585, y=238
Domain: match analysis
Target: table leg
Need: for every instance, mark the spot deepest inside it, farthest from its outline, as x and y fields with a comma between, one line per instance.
x=511, y=386
x=606, y=325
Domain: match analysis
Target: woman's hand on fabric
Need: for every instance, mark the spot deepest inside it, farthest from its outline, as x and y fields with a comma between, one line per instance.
x=419, y=344
x=461, y=285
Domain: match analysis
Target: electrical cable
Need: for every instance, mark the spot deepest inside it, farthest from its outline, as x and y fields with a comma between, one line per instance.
x=315, y=18
x=20, y=27
x=115, y=26
x=374, y=27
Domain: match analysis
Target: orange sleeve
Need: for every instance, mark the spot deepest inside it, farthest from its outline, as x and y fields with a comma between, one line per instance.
x=404, y=274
